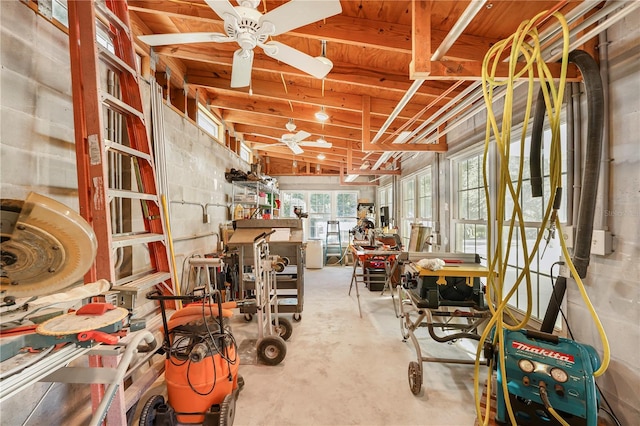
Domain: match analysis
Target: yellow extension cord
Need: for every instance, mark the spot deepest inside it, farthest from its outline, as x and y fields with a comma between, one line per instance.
x=524, y=42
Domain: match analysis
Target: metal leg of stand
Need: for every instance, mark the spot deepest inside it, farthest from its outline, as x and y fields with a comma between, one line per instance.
x=354, y=279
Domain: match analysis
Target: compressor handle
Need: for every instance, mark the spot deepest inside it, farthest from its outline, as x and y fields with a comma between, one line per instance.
x=540, y=335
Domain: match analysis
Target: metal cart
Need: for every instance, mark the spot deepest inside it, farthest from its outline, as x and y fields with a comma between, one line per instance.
x=433, y=299
x=287, y=244
x=272, y=331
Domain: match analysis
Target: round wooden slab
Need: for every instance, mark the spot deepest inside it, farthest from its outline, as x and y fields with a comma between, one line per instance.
x=73, y=323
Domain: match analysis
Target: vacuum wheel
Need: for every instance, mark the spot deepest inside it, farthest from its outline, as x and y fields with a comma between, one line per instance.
x=284, y=328
x=271, y=350
x=415, y=377
x=150, y=410
x=228, y=410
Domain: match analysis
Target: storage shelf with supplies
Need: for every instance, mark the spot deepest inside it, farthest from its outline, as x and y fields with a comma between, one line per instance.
x=254, y=199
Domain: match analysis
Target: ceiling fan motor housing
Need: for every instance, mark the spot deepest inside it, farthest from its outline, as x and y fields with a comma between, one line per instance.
x=248, y=31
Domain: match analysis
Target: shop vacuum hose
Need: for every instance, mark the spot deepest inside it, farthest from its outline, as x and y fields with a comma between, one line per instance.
x=591, y=171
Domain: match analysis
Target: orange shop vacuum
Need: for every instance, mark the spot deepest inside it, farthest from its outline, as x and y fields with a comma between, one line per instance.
x=201, y=366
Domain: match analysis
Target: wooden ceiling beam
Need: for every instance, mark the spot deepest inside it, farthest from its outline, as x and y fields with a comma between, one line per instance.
x=301, y=113
x=342, y=73
x=306, y=95
x=356, y=32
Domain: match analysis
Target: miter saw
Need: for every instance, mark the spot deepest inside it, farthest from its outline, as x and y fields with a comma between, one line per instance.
x=45, y=248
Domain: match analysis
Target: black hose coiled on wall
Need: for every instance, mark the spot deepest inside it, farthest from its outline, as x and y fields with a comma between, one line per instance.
x=595, y=124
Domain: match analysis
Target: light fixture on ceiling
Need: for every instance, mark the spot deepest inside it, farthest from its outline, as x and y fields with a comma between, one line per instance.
x=291, y=126
x=323, y=58
x=321, y=156
x=322, y=115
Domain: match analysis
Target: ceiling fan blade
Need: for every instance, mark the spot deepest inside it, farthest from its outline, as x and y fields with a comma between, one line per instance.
x=241, y=68
x=298, y=13
x=293, y=147
x=300, y=136
x=222, y=7
x=296, y=59
x=183, y=38
x=317, y=144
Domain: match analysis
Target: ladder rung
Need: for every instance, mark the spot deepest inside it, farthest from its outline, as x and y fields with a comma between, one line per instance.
x=123, y=149
x=144, y=282
x=120, y=106
x=126, y=240
x=115, y=62
x=122, y=193
x=112, y=18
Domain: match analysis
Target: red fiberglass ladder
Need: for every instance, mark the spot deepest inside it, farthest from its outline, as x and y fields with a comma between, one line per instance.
x=124, y=208
x=96, y=154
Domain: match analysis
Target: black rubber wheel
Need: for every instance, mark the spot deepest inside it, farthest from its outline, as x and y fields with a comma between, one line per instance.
x=240, y=382
x=415, y=377
x=279, y=267
x=284, y=328
x=286, y=261
x=248, y=317
x=148, y=414
x=228, y=410
x=272, y=350
x=297, y=317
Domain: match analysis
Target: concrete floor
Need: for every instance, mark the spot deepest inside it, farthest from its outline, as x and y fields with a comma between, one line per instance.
x=341, y=369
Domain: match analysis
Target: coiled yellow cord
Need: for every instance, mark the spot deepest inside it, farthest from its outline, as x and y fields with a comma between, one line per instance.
x=523, y=43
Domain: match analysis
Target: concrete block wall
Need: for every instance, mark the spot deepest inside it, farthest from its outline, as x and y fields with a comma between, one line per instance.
x=612, y=280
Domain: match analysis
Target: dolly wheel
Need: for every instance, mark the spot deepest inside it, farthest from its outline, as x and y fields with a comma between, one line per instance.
x=272, y=350
x=297, y=317
x=286, y=261
x=149, y=411
x=415, y=377
x=227, y=410
x=248, y=317
x=284, y=328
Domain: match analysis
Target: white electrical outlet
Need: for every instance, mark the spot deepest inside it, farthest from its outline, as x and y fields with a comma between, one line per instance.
x=567, y=234
x=601, y=242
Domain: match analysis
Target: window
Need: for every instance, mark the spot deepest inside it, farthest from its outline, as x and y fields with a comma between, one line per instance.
x=417, y=195
x=385, y=199
x=470, y=213
x=346, y=212
x=470, y=216
x=408, y=207
x=289, y=201
x=245, y=152
x=322, y=207
x=533, y=213
x=208, y=122
x=319, y=214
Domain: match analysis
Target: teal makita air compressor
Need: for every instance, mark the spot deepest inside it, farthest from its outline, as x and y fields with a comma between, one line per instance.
x=545, y=371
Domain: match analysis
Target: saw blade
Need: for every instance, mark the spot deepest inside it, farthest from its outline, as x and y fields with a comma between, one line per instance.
x=45, y=246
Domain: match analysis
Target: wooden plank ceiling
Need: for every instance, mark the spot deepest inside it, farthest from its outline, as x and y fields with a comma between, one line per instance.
x=370, y=44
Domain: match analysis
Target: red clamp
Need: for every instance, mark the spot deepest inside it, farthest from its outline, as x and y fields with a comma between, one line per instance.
x=98, y=336
x=95, y=308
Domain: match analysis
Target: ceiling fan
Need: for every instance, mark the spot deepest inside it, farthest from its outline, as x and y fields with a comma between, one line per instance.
x=295, y=140
x=249, y=28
